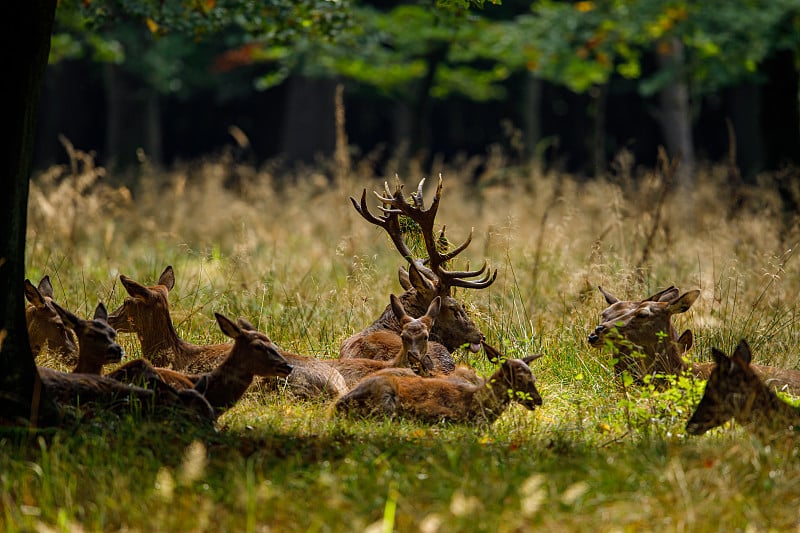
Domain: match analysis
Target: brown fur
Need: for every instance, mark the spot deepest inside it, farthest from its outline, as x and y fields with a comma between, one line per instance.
x=97, y=340
x=413, y=352
x=645, y=328
x=437, y=399
x=735, y=390
x=46, y=330
x=145, y=312
x=453, y=328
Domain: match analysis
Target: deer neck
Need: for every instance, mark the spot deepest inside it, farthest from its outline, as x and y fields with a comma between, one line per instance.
x=161, y=337
x=228, y=382
x=766, y=415
x=662, y=354
x=491, y=398
x=87, y=366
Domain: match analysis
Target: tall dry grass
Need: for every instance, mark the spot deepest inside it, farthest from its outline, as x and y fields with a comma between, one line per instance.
x=287, y=251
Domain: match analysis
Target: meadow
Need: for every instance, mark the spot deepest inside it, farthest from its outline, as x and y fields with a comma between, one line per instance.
x=288, y=252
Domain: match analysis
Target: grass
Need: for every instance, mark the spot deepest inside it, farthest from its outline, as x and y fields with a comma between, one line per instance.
x=291, y=255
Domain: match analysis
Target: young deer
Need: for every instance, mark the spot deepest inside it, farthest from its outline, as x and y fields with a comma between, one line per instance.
x=145, y=312
x=97, y=348
x=453, y=328
x=413, y=352
x=647, y=342
x=45, y=328
x=440, y=399
x=96, y=339
x=734, y=390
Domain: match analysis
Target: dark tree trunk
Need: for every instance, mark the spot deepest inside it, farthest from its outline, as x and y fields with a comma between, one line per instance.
x=21, y=394
x=532, y=119
x=675, y=113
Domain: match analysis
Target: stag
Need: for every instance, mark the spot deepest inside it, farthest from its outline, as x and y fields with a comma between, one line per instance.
x=735, y=390
x=425, y=279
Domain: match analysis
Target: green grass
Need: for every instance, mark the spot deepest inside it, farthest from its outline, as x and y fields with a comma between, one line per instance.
x=306, y=269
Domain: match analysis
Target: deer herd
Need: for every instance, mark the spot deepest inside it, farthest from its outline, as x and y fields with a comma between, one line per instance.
x=401, y=365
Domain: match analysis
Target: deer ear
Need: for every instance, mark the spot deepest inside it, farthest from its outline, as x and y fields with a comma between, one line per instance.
x=46, y=288
x=663, y=296
x=245, y=324
x=531, y=358
x=398, y=309
x=434, y=308
x=682, y=303
x=167, y=278
x=134, y=288
x=100, y=312
x=227, y=326
x=33, y=295
x=719, y=357
x=686, y=340
x=402, y=275
x=422, y=284
x=610, y=299
x=742, y=352
x=202, y=385
x=69, y=319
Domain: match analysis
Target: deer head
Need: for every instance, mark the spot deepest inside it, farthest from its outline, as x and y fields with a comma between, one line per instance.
x=96, y=338
x=645, y=327
x=427, y=278
x=253, y=349
x=45, y=326
x=145, y=312
x=415, y=335
x=734, y=390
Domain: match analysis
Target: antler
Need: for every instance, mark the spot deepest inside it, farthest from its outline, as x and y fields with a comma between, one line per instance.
x=399, y=205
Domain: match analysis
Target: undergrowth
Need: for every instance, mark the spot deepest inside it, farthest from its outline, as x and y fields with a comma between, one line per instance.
x=293, y=257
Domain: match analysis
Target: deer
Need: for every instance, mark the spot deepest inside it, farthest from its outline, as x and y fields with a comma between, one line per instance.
x=413, y=352
x=434, y=400
x=647, y=343
x=146, y=312
x=735, y=391
x=96, y=339
x=45, y=328
x=424, y=280
x=98, y=347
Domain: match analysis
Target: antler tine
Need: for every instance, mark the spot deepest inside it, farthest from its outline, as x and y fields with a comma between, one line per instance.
x=388, y=222
x=419, y=201
x=458, y=249
x=456, y=278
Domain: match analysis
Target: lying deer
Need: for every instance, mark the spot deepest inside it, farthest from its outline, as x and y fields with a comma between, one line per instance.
x=413, y=352
x=440, y=399
x=145, y=312
x=453, y=327
x=45, y=328
x=96, y=339
x=97, y=348
x=735, y=390
x=647, y=343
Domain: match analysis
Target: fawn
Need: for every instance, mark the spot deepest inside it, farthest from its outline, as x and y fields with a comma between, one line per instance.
x=96, y=339
x=97, y=348
x=145, y=312
x=413, y=352
x=422, y=284
x=45, y=328
x=435, y=400
x=647, y=342
x=734, y=390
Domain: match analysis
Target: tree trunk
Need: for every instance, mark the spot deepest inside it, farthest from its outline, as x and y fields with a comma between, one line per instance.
x=674, y=113
x=22, y=396
x=599, y=101
x=532, y=119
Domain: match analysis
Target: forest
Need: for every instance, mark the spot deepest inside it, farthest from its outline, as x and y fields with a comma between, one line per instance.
x=458, y=265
